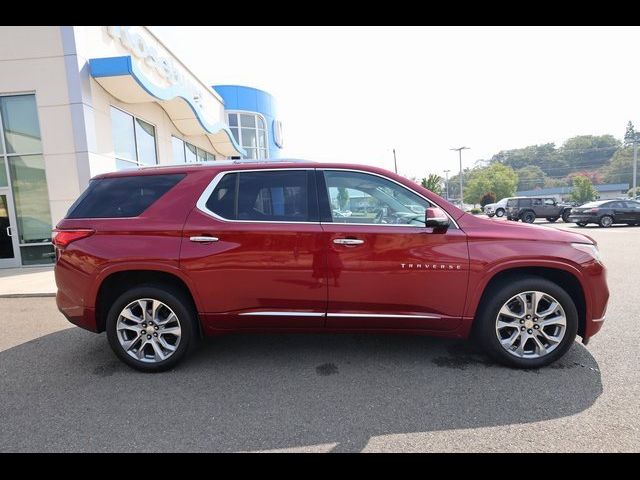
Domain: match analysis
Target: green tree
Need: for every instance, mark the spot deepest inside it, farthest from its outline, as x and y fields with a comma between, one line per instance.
x=433, y=182
x=530, y=177
x=544, y=156
x=497, y=178
x=343, y=198
x=630, y=134
x=620, y=168
x=588, y=152
x=632, y=194
x=487, y=198
x=582, y=190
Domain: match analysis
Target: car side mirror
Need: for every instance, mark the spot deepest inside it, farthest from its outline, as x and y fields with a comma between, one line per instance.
x=436, y=218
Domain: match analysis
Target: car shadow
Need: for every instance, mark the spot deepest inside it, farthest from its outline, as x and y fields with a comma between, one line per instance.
x=67, y=392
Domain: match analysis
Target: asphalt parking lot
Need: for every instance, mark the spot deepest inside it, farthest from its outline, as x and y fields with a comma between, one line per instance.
x=61, y=388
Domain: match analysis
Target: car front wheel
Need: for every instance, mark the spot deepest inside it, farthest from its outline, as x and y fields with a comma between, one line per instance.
x=151, y=327
x=527, y=323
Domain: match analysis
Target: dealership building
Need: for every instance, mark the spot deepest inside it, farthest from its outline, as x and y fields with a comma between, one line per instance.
x=80, y=101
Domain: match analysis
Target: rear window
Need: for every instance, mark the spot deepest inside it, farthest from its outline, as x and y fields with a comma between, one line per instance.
x=122, y=196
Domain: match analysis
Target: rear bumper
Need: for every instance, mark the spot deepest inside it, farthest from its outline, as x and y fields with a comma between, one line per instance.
x=583, y=219
x=77, y=314
x=71, y=296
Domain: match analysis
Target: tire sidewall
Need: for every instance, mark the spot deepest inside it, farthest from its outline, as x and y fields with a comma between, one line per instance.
x=528, y=215
x=485, y=328
x=500, y=213
x=601, y=221
x=173, y=300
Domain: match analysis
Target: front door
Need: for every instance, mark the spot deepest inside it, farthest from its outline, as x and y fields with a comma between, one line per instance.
x=385, y=268
x=254, y=251
x=8, y=234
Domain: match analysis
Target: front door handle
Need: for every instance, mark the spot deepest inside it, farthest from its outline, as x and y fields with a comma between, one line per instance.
x=203, y=239
x=9, y=231
x=348, y=241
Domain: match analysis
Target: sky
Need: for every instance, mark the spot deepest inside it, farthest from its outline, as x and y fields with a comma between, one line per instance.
x=353, y=94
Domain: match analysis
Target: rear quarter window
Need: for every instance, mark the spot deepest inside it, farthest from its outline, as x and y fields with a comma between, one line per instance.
x=120, y=197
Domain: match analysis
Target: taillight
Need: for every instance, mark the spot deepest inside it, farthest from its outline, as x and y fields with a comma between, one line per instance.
x=62, y=238
x=591, y=210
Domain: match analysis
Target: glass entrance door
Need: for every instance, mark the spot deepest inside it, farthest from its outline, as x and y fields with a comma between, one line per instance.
x=8, y=235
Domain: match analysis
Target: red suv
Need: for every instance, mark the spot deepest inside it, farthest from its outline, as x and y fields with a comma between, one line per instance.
x=160, y=257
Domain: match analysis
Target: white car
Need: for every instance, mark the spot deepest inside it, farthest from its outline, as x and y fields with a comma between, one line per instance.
x=498, y=209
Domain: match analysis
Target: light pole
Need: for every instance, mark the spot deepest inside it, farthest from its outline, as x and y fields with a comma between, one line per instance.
x=395, y=164
x=446, y=183
x=460, y=155
x=635, y=167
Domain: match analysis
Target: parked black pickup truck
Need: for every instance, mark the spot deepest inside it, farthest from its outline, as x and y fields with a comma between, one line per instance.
x=528, y=209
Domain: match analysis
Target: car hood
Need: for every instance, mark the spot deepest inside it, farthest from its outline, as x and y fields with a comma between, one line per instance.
x=483, y=227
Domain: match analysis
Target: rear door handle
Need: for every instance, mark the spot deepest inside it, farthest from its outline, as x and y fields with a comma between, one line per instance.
x=9, y=232
x=348, y=241
x=203, y=239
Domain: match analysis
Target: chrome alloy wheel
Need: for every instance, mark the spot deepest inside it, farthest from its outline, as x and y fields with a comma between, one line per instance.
x=531, y=324
x=148, y=330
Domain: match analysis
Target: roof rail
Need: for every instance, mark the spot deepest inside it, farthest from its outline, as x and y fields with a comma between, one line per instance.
x=208, y=163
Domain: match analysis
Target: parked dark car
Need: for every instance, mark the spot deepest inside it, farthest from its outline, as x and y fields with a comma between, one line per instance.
x=607, y=212
x=528, y=209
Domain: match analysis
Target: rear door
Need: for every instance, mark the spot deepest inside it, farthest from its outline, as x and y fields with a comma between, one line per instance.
x=385, y=268
x=634, y=211
x=253, y=247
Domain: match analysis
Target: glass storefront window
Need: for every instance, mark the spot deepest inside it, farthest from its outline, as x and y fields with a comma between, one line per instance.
x=177, y=146
x=20, y=122
x=22, y=169
x=31, y=198
x=146, y=142
x=4, y=181
x=134, y=140
x=250, y=132
x=185, y=152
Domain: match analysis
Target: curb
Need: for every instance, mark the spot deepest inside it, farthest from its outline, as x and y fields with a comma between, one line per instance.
x=26, y=295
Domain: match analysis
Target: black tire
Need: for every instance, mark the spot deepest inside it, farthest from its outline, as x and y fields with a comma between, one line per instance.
x=581, y=224
x=485, y=323
x=565, y=216
x=605, y=221
x=552, y=219
x=500, y=212
x=528, y=217
x=490, y=215
x=176, y=301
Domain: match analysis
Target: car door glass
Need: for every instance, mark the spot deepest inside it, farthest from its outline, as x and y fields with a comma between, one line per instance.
x=549, y=202
x=356, y=197
x=537, y=202
x=270, y=196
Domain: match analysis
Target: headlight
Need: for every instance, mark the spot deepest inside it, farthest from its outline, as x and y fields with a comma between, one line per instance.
x=590, y=249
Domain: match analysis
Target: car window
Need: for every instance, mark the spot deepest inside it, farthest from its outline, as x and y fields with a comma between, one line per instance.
x=549, y=201
x=363, y=198
x=525, y=202
x=276, y=196
x=615, y=205
x=537, y=202
x=634, y=205
x=512, y=202
x=120, y=197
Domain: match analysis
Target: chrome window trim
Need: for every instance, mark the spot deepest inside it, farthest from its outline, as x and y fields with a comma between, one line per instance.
x=201, y=204
x=322, y=169
x=202, y=201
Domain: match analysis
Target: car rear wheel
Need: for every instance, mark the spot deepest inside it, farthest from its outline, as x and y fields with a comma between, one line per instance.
x=581, y=224
x=606, y=221
x=490, y=215
x=529, y=217
x=500, y=212
x=565, y=216
x=151, y=327
x=552, y=219
x=527, y=323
